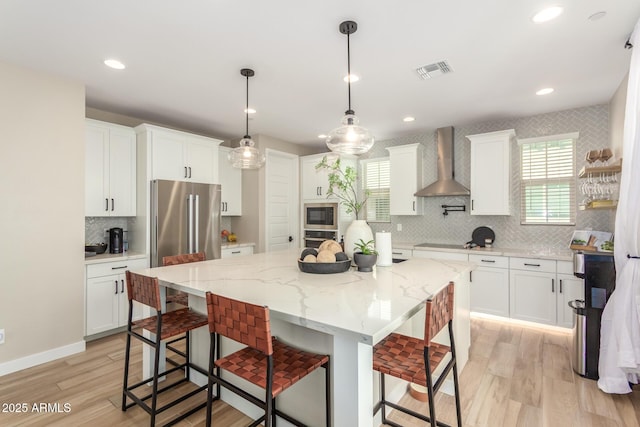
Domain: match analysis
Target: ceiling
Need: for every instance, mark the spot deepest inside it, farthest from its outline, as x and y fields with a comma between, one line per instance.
x=184, y=58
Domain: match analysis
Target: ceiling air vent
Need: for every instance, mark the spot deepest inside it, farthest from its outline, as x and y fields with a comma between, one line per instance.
x=433, y=70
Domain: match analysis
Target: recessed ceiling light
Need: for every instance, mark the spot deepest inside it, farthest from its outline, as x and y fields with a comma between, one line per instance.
x=353, y=77
x=545, y=91
x=597, y=15
x=547, y=14
x=322, y=136
x=249, y=111
x=114, y=63
x=408, y=119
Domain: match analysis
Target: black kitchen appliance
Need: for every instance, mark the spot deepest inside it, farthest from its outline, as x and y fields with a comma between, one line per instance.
x=481, y=236
x=116, y=240
x=598, y=272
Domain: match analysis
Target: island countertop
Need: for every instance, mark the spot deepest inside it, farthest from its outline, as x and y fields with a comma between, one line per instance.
x=368, y=305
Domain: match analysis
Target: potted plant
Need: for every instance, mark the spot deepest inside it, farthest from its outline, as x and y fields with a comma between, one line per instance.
x=343, y=186
x=364, y=255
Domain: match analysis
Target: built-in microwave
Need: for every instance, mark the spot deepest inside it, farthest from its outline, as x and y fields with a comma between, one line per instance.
x=322, y=216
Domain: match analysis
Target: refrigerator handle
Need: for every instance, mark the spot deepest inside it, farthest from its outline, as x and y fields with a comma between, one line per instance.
x=196, y=216
x=190, y=224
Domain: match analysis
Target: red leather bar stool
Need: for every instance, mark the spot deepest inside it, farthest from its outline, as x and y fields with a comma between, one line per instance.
x=146, y=290
x=415, y=360
x=265, y=362
x=181, y=297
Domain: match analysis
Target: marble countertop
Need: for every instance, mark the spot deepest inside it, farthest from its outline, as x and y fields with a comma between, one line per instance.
x=107, y=257
x=548, y=253
x=367, y=305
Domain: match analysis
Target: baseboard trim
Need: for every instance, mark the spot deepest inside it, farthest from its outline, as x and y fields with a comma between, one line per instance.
x=40, y=358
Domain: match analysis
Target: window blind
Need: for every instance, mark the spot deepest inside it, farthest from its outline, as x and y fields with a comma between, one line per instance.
x=548, y=189
x=376, y=181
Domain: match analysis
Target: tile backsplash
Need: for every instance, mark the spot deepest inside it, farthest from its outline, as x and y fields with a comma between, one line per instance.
x=456, y=228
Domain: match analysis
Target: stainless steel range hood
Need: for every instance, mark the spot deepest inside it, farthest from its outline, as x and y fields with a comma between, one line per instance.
x=446, y=185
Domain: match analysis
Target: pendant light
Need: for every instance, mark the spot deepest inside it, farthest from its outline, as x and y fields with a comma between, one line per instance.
x=350, y=138
x=246, y=155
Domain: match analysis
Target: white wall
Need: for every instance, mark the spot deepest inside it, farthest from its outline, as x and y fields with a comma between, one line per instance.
x=616, y=117
x=42, y=213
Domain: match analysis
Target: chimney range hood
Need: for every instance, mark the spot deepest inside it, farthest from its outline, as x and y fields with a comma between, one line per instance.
x=446, y=185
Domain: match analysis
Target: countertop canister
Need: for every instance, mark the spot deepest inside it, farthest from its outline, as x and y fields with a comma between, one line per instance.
x=384, y=248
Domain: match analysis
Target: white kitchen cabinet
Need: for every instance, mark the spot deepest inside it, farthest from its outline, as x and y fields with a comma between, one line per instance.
x=230, y=179
x=180, y=156
x=110, y=169
x=533, y=290
x=490, y=285
x=398, y=253
x=315, y=182
x=569, y=288
x=405, y=162
x=491, y=172
x=239, y=251
x=107, y=305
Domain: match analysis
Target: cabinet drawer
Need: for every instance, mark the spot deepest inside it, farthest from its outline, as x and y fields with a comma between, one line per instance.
x=117, y=267
x=229, y=252
x=565, y=267
x=489, y=260
x=401, y=253
x=533, y=264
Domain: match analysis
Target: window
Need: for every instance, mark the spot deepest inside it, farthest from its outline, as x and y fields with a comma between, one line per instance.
x=376, y=181
x=548, y=186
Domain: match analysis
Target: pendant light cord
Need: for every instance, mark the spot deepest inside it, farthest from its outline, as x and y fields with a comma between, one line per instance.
x=247, y=111
x=349, y=71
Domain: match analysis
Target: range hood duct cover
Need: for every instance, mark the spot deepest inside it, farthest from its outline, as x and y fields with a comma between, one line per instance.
x=446, y=185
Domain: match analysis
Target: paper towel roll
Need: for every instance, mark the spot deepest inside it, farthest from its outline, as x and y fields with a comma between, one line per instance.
x=384, y=248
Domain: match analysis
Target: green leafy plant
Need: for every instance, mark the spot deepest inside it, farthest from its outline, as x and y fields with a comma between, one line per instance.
x=342, y=184
x=365, y=248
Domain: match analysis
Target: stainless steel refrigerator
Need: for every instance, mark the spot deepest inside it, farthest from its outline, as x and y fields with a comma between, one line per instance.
x=185, y=218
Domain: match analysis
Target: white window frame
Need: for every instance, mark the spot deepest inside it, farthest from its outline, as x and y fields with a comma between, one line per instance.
x=546, y=183
x=375, y=193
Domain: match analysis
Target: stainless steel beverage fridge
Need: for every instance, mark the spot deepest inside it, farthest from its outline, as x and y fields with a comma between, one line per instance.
x=185, y=218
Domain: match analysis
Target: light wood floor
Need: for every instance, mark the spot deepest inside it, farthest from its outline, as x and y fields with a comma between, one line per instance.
x=516, y=376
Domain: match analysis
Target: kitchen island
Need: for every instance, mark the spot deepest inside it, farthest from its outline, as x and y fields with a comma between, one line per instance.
x=342, y=314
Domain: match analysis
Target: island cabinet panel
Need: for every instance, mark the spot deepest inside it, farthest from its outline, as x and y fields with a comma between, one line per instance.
x=107, y=305
x=230, y=179
x=405, y=163
x=490, y=285
x=232, y=252
x=491, y=172
x=110, y=169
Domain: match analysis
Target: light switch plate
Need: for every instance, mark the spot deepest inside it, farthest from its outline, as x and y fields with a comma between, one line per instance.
x=1, y=336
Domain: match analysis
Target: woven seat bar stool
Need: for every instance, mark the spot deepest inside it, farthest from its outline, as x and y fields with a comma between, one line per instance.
x=266, y=362
x=415, y=360
x=146, y=290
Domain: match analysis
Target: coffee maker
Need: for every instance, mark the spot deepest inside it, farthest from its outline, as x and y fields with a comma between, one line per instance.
x=116, y=239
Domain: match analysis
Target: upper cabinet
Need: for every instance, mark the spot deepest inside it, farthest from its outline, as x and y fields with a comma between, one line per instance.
x=231, y=180
x=315, y=182
x=110, y=169
x=180, y=156
x=491, y=172
x=406, y=178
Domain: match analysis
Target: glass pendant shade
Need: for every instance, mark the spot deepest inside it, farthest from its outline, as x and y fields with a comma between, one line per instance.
x=246, y=155
x=350, y=138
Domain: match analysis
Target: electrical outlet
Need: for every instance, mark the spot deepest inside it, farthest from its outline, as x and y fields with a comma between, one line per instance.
x=399, y=227
x=1, y=336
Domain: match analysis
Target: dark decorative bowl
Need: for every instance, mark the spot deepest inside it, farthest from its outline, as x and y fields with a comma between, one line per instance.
x=98, y=248
x=324, y=267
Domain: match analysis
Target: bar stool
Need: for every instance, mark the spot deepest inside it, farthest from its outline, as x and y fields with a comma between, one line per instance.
x=181, y=297
x=266, y=362
x=411, y=358
x=146, y=290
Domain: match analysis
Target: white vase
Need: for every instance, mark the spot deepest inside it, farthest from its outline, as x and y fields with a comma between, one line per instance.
x=358, y=229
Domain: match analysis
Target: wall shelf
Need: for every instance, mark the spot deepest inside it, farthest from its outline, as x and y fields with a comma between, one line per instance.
x=598, y=170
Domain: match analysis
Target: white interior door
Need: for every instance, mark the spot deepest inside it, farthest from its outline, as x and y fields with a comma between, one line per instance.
x=282, y=202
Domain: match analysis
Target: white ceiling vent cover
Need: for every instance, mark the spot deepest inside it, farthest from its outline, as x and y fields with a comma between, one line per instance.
x=433, y=70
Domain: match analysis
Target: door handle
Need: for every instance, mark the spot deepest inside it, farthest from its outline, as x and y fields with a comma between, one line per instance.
x=116, y=287
x=106, y=205
x=189, y=171
x=414, y=206
x=471, y=204
x=196, y=240
x=560, y=285
x=531, y=265
x=291, y=238
x=488, y=260
x=113, y=205
x=185, y=172
x=122, y=286
x=553, y=285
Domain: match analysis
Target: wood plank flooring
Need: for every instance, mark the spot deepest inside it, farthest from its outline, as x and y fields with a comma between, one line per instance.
x=516, y=376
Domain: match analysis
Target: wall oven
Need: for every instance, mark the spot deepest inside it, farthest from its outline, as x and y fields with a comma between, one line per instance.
x=313, y=238
x=321, y=216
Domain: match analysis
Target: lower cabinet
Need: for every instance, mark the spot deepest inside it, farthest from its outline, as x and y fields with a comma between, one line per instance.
x=569, y=288
x=231, y=252
x=107, y=305
x=533, y=290
x=490, y=285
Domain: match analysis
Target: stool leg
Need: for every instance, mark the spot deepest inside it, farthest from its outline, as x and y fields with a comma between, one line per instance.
x=125, y=383
x=273, y=413
x=212, y=349
x=382, y=406
x=432, y=406
x=327, y=393
x=156, y=367
x=187, y=352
